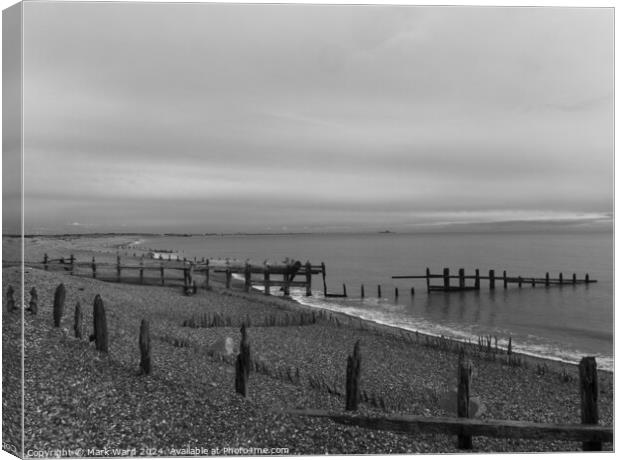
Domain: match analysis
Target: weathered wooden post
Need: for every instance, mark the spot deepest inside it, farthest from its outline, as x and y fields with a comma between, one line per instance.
x=574, y=278
x=33, y=306
x=59, y=304
x=45, y=261
x=353, y=378
x=491, y=279
x=142, y=270
x=547, y=279
x=520, y=281
x=505, y=280
x=446, y=279
x=362, y=293
x=93, y=265
x=244, y=361
x=145, y=347
x=118, y=268
x=587, y=278
x=100, y=335
x=308, y=279
x=561, y=279
x=324, y=283
x=428, y=279
x=228, y=277
x=71, y=264
x=344, y=290
x=10, y=299
x=378, y=290
x=161, y=272
x=461, y=278
x=77, y=321
x=588, y=385
x=462, y=402
x=286, y=278
x=412, y=291
x=248, y=277
x=396, y=292
x=267, y=276
x=207, y=269
x=477, y=280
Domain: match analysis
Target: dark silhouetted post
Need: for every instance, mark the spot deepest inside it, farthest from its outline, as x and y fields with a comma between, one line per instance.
x=100, y=325
x=228, y=277
x=93, y=265
x=587, y=278
x=353, y=378
x=588, y=385
x=267, y=276
x=308, y=279
x=561, y=279
x=477, y=280
x=379, y=290
x=446, y=279
x=344, y=289
x=10, y=299
x=462, y=403
x=412, y=291
x=324, y=283
x=244, y=361
x=505, y=280
x=45, y=261
x=33, y=306
x=547, y=279
x=461, y=278
x=77, y=321
x=362, y=293
x=161, y=272
x=145, y=347
x=59, y=304
x=520, y=281
x=248, y=277
x=396, y=292
x=491, y=279
x=428, y=279
x=574, y=278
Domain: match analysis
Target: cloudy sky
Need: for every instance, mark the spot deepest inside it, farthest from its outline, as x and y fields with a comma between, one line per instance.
x=209, y=118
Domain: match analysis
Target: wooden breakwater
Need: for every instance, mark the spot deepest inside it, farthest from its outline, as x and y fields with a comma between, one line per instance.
x=492, y=278
x=192, y=274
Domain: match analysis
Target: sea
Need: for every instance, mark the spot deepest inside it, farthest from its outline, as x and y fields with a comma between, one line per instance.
x=562, y=323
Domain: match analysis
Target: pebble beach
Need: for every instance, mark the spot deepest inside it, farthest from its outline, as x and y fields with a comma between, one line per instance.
x=77, y=398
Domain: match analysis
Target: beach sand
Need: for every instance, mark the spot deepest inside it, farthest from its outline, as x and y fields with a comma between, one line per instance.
x=78, y=398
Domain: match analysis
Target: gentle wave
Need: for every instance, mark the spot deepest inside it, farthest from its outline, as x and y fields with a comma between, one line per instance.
x=532, y=347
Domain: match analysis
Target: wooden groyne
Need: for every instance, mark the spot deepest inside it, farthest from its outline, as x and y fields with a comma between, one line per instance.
x=504, y=279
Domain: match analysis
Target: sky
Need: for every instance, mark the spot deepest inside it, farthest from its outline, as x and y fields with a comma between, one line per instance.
x=275, y=118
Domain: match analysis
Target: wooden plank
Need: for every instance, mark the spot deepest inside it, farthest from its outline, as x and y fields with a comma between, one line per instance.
x=515, y=429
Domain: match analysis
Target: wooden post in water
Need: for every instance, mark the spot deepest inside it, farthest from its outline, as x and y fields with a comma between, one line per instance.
x=587, y=278
x=462, y=402
x=574, y=278
x=72, y=263
x=396, y=293
x=344, y=290
x=428, y=279
x=362, y=292
x=378, y=290
x=412, y=291
x=308, y=278
x=118, y=268
x=588, y=385
x=324, y=283
x=267, y=275
x=461, y=278
x=520, y=281
x=547, y=279
x=446, y=279
x=477, y=280
x=491, y=279
x=505, y=280
x=561, y=279
x=248, y=277
x=45, y=260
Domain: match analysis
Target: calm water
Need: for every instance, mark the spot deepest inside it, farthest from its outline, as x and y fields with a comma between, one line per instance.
x=558, y=322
